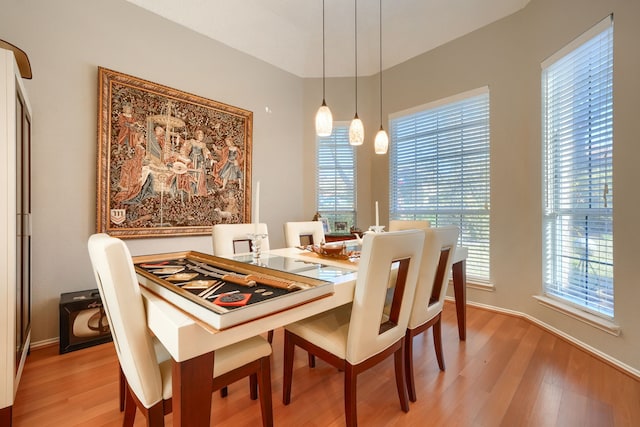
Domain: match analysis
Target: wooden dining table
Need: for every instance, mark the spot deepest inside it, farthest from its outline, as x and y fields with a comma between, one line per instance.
x=191, y=342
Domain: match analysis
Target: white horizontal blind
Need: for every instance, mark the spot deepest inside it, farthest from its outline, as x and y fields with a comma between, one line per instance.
x=440, y=172
x=336, y=176
x=577, y=96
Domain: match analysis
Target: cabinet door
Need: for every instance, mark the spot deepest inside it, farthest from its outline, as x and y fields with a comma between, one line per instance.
x=23, y=225
x=26, y=224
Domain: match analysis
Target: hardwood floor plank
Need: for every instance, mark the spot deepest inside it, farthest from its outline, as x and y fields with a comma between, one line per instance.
x=545, y=408
x=506, y=387
x=509, y=372
x=574, y=408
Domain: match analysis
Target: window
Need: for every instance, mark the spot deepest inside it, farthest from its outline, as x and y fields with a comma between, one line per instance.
x=336, y=177
x=577, y=98
x=439, y=170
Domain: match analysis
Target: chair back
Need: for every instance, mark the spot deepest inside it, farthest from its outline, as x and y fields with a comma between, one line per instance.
x=439, y=247
x=402, y=224
x=371, y=330
x=303, y=233
x=230, y=239
x=122, y=301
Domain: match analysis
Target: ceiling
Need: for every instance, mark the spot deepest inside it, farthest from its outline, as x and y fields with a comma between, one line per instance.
x=288, y=33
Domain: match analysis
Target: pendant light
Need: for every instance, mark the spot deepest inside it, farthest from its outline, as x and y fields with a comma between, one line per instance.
x=356, y=129
x=381, y=143
x=324, y=118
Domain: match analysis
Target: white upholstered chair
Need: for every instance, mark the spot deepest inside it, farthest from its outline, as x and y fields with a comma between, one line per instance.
x=230, y=239
x=148, y=374
x=357, y=336
x=303, y=233
x=439, y=248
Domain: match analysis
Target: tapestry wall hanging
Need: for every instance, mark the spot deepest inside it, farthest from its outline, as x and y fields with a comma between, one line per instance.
x=169, y=163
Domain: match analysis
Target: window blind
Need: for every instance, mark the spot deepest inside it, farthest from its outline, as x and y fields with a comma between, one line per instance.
x=577, y=97
x=439, y=171
x=336, y=176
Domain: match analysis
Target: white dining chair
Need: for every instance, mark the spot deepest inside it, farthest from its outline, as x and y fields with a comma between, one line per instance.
x=148, y=375
x=426, y=312
x=303, y=233
x=231, y=239
x=357, y=336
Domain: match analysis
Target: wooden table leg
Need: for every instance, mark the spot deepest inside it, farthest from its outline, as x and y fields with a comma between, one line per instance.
x=6, y=416
x=460, y=293
x=192, y=382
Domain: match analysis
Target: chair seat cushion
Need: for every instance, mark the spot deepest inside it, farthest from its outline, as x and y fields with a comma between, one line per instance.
x=236, y=355
x=432, y=311
x=162, y=354
x=328, y=330
x=226, y=359
x=165, y=374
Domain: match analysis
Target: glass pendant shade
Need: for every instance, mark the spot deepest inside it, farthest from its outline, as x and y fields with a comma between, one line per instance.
x=356, y=131
x=324, y=120
x=381, y=143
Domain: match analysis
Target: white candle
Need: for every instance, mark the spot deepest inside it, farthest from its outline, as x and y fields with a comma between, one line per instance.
x=256, y=207
x=377, y=215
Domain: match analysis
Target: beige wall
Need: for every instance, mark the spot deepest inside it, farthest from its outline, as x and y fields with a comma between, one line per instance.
x=506, y=57
x=67, y=40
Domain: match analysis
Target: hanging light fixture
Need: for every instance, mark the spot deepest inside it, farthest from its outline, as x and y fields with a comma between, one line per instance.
x=324, y=118
x=381, y=143
x=356, y=129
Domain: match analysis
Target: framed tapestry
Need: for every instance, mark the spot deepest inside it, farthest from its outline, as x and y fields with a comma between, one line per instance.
x=169, y=163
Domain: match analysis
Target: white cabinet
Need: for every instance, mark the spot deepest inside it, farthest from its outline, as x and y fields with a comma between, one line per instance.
x=15, y=231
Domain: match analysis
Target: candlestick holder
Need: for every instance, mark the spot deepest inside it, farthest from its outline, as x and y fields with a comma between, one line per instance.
x=256, y=244
x=376, y=228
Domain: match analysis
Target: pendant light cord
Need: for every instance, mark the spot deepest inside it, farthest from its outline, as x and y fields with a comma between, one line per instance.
x=380, y=64
x=323, y=59
x=356, y=39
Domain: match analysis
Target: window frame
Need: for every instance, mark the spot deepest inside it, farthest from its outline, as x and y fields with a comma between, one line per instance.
x=562, y=164
x=478, y=262
x=340, y=130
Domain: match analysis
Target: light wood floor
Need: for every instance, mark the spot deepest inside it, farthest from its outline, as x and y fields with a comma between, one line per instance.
x=509, y=372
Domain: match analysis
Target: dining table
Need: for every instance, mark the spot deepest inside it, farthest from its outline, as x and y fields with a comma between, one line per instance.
x=192, y=342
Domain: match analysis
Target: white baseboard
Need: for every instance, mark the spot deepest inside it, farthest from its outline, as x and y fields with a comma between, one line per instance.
x=635, y=373
x=45, y=343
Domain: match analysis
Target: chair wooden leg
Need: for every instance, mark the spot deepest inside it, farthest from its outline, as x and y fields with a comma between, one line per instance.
x=399, y=362
x=122, y=386
x=155, y=415
x=312, y=360
x=437, y=341
x=408, y=365
x=253, y=386
x=264, y=385
x=288, y=368
x=129, y=407
x=350, y=398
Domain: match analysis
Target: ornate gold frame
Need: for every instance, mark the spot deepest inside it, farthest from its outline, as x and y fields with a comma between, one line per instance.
x=169, y=163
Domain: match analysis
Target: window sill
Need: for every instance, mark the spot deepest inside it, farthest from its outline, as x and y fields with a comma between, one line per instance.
x=590, y=319
x=476, y=284
x=483, y=286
